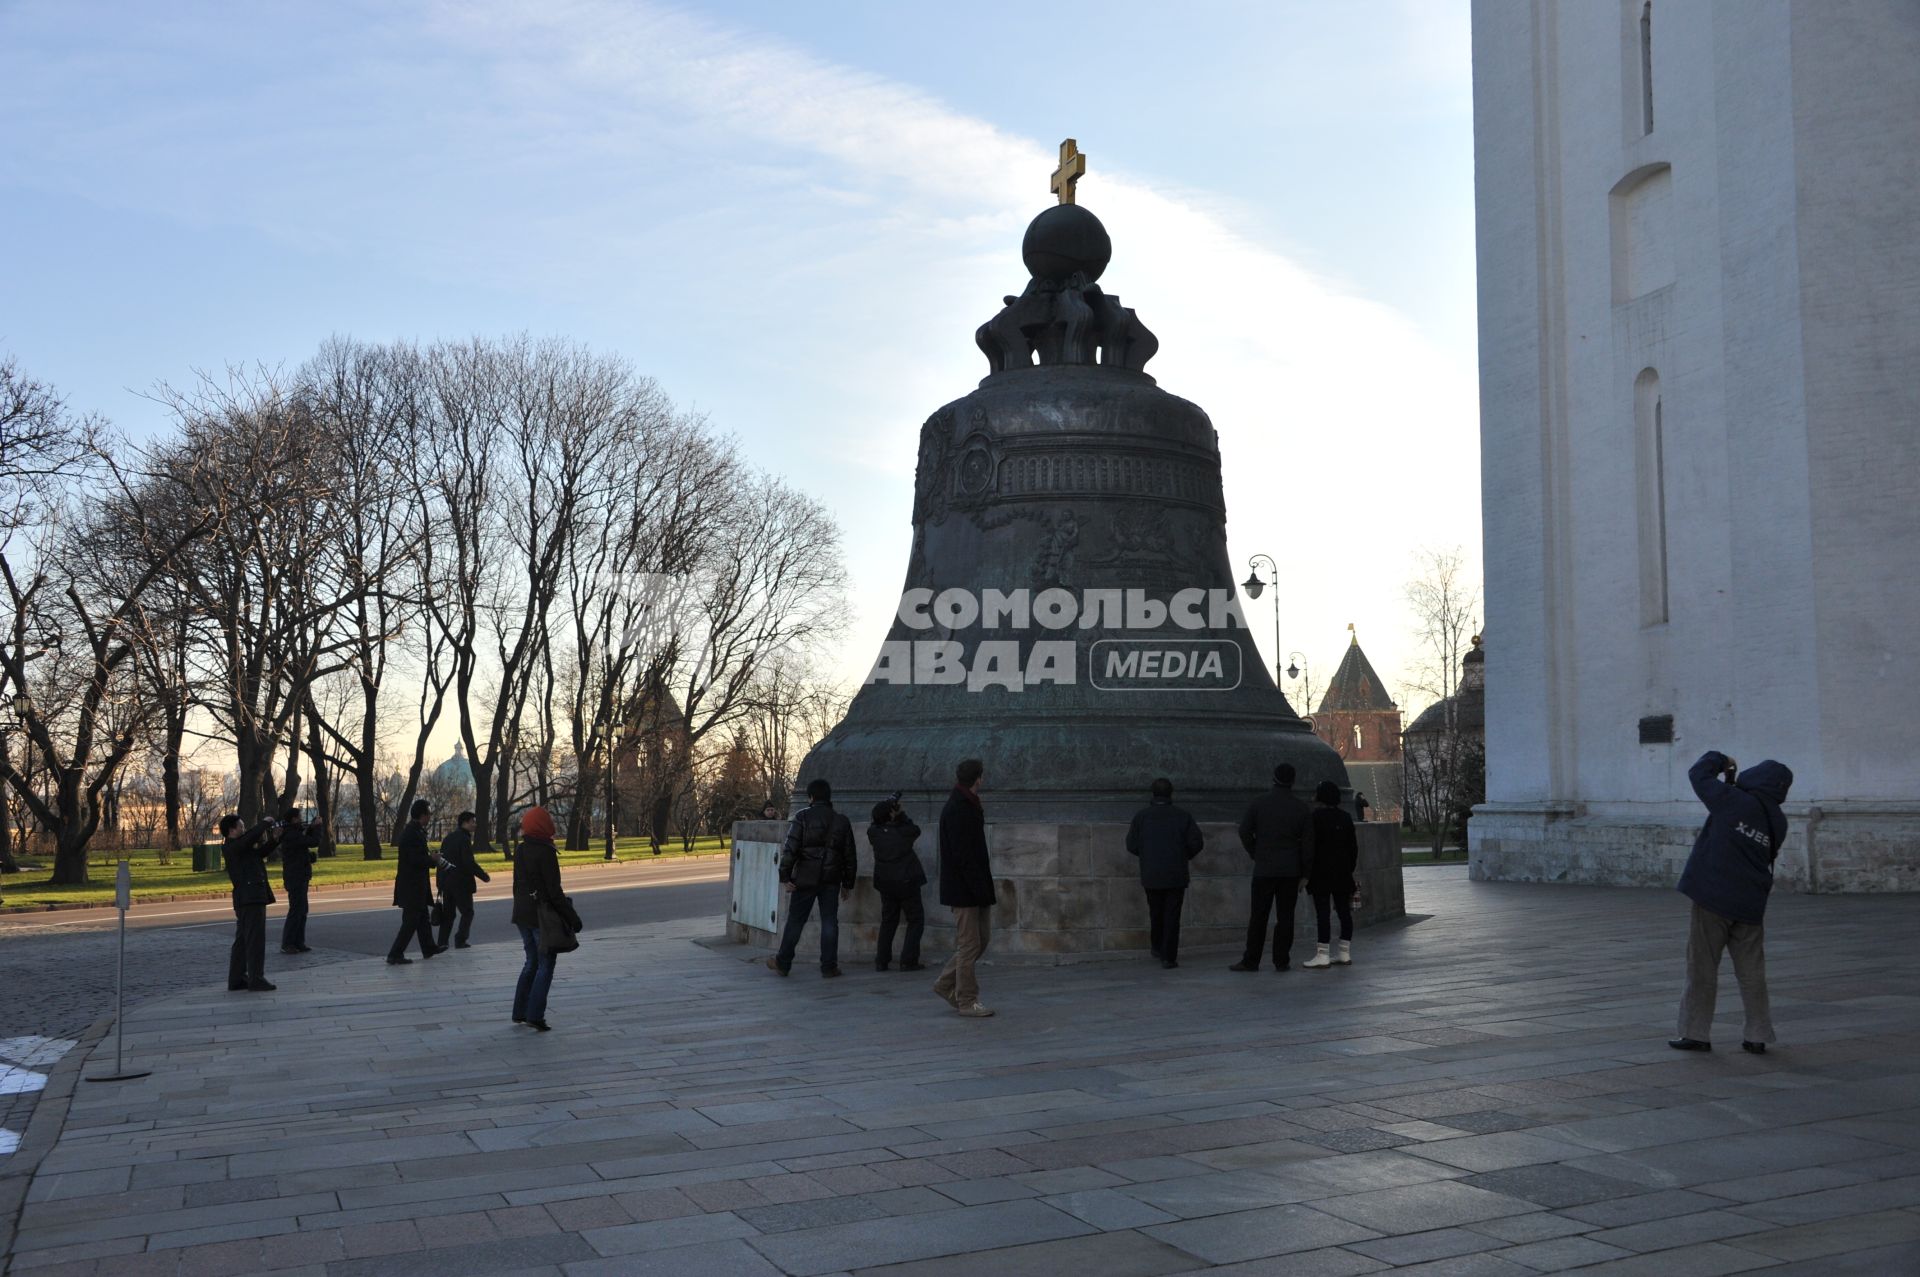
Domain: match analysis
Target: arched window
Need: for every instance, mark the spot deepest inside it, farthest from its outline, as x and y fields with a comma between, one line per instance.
x=1650, y=429
x=1359, y=741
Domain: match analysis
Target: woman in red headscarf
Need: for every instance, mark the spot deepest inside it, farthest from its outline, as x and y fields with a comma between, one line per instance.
x=536, y=881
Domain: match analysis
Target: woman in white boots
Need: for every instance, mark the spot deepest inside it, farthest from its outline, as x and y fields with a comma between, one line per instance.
x=1336, y=851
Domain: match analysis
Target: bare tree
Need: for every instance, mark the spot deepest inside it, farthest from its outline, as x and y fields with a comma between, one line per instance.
x=77, y=588
x=769, y=587
x=269, y=585
x=370, y=402
x=1446, y=608
x=520, y=431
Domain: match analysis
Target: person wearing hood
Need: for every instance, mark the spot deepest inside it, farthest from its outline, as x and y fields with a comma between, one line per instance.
x=1164, y=838
x=1729, y=876
x=818, y=866
x=536, y=881
x=898, y=876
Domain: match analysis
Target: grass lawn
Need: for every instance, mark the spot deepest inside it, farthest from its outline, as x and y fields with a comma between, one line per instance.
x=151, y=879
x=1424, y=856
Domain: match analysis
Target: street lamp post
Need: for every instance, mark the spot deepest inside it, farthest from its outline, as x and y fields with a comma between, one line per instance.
x=1296, y=667
x=1253, y=585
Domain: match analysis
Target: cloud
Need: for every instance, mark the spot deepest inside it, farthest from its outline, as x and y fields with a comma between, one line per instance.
x=803, y=247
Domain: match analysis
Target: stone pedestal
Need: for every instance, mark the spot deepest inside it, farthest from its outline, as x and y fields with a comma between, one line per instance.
x=1068, y=892
x=1830, y=847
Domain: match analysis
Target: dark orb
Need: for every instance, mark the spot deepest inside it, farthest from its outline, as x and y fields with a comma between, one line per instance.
x=1065, y=239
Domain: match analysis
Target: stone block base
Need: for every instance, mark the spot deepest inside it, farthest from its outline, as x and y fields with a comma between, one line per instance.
x=1830, y=847
x=1067, y=892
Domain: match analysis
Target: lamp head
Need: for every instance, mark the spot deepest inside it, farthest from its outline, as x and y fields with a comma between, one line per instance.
x=1253, y=585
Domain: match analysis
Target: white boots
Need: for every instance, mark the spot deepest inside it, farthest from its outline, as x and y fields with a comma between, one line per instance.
x=1341, y=955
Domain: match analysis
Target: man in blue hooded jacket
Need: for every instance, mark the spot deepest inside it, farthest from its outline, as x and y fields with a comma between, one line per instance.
x=1728, y=877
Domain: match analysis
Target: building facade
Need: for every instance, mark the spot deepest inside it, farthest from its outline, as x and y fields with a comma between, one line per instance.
x=1699, y=308
x=1362, y=723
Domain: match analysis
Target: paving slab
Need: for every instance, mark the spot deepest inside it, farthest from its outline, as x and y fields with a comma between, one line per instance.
x=1478, y=1096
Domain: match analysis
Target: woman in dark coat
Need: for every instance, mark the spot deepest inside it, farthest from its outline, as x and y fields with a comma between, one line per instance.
x=1336, y=853
x=536, y=880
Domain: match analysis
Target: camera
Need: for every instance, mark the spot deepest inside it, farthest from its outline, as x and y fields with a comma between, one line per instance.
x=894, y=797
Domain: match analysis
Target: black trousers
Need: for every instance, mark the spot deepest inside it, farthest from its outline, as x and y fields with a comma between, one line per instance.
x=462, y=903
x=293, y=932
x=1342, y=902
x=247, y=962
x=1271, y=896
x=413, y=922
x=894, y=902
x=1163, y=920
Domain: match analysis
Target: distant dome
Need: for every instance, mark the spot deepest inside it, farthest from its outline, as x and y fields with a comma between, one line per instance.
x=456, y=772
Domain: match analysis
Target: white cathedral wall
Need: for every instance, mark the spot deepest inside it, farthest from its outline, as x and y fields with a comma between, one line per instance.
x=1785, y=604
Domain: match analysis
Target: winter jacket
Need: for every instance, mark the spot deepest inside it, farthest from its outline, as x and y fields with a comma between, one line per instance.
x=412, y=882
x=819, y=849
x=456, y=875
x=297, y=856
x=536, y=877
x=896, y=865
x=1730, y=871
x=1277, y=832
x=1165, y=838
x=245, y=856
x=1336, y=853
x=966, y=871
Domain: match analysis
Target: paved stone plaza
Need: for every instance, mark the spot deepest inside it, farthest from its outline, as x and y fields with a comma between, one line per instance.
x=1486, y=1091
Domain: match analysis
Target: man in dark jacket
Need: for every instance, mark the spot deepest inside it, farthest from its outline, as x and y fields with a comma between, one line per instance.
x=1728, y=877
x=898, y=876
x=413, y=887
x=244, y=852
x=1165, y=838
x=1277, y=832
x=296, y=872
x=456, y=875
x=966, y=887
x=818, y=865
x=1360, y=806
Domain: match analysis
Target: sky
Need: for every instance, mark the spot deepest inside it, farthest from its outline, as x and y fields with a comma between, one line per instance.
x=793, y=216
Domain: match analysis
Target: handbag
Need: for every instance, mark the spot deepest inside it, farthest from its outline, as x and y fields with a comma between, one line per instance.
x=555, y=935
x=437, y=911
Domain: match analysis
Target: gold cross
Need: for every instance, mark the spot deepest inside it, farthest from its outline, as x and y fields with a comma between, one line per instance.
x=1073, y=166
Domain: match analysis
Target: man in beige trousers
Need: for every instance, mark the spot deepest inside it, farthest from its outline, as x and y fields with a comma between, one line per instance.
x=966, y=887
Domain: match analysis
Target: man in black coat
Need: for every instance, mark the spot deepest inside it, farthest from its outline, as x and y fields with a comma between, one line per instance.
x=1277, y=832
x=413, y=887
x=297, y=855
x=898, y=876
x=1729, y=876
x=966, y=887
x=1165, y=838
x=818, y=865
x=456, y=875
x=244, y=852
